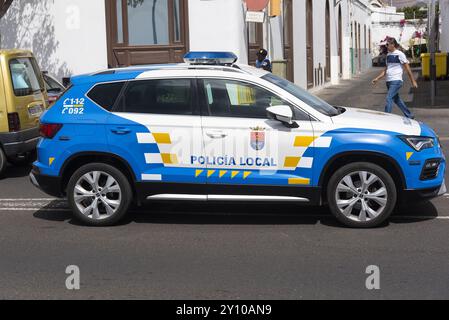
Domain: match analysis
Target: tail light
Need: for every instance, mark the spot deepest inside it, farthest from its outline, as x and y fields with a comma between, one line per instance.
x=49, y=131
x=13, y=122
x=52, y=100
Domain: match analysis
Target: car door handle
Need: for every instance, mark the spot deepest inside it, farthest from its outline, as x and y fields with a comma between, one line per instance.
x=121, y=131
x=216, y=134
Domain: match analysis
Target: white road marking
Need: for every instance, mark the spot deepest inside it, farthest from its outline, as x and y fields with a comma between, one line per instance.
x=37, y=199
x=35, y=209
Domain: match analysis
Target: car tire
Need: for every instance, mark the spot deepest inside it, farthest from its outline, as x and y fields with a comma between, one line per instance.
x=88, y=196
x=361, y=205
x=3, y=161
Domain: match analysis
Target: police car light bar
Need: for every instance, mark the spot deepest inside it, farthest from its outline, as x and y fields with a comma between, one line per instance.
x=210, y=58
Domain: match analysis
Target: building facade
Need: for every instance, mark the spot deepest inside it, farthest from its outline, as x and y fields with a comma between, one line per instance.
x=312, y=42
x=444, y=36
x=387, y=22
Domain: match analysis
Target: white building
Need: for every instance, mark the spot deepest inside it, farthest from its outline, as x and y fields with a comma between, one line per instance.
x=387, y=22
x=313, y=42
x=444, y=37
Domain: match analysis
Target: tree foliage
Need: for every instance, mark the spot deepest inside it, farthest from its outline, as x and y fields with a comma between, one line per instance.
x=414, y=12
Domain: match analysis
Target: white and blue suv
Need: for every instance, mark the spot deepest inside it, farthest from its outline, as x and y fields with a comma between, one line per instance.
x=211, y=129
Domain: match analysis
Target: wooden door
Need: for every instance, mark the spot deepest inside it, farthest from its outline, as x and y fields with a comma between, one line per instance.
x=309, y=42
x=146, y=31
x=340, y=40
x=288, y=38
x=328, y=42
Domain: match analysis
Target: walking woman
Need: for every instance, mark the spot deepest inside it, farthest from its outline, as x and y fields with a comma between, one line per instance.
x=396, y=62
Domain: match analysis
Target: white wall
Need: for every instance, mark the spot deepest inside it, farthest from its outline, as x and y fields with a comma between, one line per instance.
x=360, y=12
x=319, y=40
x=386, y=22
x=217, y=25
x=67, y=36
x=299, y=41
x=362, y=15
x=444, y=42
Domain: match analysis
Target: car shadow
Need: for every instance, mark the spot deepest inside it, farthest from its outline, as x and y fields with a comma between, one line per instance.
x=16, y=171
x=415, y=211
x=216, y=213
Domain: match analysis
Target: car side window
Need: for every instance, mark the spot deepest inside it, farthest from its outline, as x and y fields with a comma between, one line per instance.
x=164, y=96
x=230, y=98
x=106, y=94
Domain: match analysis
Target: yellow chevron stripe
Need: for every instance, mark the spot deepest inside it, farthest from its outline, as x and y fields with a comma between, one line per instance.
x=304, y=141
x=234, y=174
x=299, y=181
x=409, y=155
x=168, y=158
x=210, y=173
x=223, y=173
x=291, y=162
x=50, y=161
x=198, y=173
x=162, y=138
x=246, y=174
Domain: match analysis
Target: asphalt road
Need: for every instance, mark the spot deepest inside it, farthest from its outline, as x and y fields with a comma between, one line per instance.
x=218, y=251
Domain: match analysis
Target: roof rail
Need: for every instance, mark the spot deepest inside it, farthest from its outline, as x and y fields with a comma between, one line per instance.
x=182, y=66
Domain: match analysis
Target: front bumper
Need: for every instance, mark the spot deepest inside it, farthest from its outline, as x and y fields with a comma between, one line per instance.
x=50, y=185
x=423, y=194
x=16, y=143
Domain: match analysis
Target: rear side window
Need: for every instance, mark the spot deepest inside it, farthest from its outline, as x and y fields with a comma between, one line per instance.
x=25, y=76
x=165, y=96
x=106, y=94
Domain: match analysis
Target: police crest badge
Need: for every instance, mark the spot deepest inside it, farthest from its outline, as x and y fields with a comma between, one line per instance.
x=258, y=138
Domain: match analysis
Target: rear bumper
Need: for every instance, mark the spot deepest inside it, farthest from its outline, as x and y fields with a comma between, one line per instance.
x=48, y=184
x=15, y=143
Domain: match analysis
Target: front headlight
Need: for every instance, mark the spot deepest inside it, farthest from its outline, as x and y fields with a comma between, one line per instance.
x=419, y=143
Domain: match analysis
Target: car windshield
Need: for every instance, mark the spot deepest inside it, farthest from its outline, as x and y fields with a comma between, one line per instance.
x=303, y=95
x=24, y=77
x=52, y=85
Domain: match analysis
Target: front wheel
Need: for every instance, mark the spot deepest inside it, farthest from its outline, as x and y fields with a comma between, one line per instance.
x=361, y=195
x=99, y=194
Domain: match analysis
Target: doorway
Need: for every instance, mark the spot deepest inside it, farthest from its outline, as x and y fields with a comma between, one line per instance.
x=309, y=43
x=288, y=38
x=340, y=40
x=328, y=42
x=255, y=41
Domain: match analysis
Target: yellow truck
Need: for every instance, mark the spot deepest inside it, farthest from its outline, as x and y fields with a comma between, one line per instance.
x=23, y=99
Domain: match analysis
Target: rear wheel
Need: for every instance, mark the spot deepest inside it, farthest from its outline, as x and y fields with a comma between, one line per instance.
x=2, y=161
x=99, y=194
x=361, y=195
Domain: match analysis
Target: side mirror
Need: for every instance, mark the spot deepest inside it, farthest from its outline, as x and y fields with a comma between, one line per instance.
x=283, y=114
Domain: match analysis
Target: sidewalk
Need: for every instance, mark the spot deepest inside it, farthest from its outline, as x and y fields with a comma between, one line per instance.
x=360, y=93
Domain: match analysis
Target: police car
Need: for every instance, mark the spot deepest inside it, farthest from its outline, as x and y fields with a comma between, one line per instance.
x=211, y=129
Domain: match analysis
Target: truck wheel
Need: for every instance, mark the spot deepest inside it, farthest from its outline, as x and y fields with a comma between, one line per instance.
x=361, y=195
x=2, y=161
x=99, y=194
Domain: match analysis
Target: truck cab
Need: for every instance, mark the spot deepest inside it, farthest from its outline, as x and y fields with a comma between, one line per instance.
x=23, y=99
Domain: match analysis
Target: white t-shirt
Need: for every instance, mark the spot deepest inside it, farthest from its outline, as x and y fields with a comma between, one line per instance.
x=395, y=60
